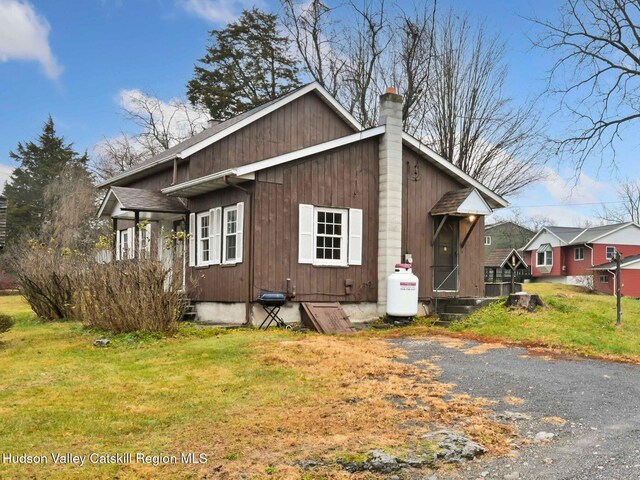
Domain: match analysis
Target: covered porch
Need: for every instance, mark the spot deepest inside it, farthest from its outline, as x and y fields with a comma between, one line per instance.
x=145, y=224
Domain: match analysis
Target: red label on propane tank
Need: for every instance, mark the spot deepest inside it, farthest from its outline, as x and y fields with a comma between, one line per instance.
x=407, y=285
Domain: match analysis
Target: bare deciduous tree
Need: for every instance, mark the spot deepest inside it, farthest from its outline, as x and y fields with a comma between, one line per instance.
x=160, y=124
x=452, y=78
x=70, y=218
x=317, y=38
x=628, y=207
x=472, y=123
x=596, y=74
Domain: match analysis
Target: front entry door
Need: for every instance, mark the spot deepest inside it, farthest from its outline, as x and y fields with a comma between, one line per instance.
x=445, y=264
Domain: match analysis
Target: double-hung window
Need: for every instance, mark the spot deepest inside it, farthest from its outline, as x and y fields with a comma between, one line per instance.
x=578, y=253
x=216, y=236
x=329, y=236
x=232, y=234
x=611, y=253
x=204, y=240
x=544, y=256
x=487, y=240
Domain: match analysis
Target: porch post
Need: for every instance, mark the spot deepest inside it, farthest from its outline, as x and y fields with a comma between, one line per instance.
x=136, y=234
x=114, y=240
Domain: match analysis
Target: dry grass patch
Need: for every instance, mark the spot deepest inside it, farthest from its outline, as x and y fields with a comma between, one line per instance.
x=554, y=420
x=365, y=399
x=511, y=400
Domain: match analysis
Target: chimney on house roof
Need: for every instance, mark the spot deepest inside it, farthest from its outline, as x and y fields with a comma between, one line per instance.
x=390, y=192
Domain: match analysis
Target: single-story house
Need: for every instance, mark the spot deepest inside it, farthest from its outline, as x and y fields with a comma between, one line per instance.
x=296, y=196
x=567, y=254
x=604, y=278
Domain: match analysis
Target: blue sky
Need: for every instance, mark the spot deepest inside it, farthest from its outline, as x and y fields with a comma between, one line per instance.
x=71, y=59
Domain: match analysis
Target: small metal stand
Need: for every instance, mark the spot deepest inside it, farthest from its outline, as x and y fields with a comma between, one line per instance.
x=271, y=303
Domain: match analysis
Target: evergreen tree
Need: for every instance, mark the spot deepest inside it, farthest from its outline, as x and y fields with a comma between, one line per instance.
x=246, y=64
x=41, y=163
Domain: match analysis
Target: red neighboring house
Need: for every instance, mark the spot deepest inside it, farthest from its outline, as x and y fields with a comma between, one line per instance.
x=605, y=276
x=570, y=254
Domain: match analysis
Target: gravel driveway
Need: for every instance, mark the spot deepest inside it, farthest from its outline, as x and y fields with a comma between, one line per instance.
x=600, y=402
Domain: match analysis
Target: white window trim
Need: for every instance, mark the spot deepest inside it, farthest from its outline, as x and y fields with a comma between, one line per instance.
x=344, y=247
x=606, y=252
x=575, y=254
x=546, y=252
x=237, y=234
x=199, y=261
x=487, y=240
x=604, y=278
x=129, y=233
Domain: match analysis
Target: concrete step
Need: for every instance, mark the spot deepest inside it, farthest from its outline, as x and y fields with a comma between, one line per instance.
x=466, y=309
x=451, y=317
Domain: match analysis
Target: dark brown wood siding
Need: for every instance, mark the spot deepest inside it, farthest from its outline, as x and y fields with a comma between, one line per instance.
x=158, y=180
x=342, y=178
x=222, y=283
x=304, y=122
x=423, y=186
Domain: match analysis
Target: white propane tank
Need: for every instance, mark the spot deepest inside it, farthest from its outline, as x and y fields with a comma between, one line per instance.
x=402, y=292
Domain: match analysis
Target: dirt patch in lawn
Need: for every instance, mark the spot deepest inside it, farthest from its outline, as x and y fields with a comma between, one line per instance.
x=366, y=399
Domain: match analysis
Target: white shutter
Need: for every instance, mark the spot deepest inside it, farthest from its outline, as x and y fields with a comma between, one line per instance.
x=305, y=233
x=239, y=230
x=118, y=252
x=355, y=236
x=192, y=240
x=132, y=242
x=215, y=240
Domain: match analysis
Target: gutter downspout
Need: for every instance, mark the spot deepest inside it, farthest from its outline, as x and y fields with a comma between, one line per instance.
x=250, y=267
x=614, y=281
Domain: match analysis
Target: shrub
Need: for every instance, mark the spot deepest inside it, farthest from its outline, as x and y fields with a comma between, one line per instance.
x=47, y=277
x=6, y=322
x=131, y=295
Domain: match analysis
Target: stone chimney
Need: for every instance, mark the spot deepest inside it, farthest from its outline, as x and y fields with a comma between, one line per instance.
x=390, y=192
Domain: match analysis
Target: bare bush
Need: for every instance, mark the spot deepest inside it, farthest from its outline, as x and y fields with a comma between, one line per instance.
x=6, y=322
x=131, y=295
x=47, y=277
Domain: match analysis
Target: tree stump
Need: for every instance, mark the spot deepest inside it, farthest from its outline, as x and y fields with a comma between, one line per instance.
x=524, y=300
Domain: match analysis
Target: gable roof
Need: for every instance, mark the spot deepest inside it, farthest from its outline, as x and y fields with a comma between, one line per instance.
x=576, y=235
x=594, y=233
x=500, y=257
x=219, y=131
x=132, y=199
x=465, y=201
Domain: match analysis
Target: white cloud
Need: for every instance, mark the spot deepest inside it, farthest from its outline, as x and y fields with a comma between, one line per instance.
x=217, y=11
x=5, y=173
x=24, y=35
x=584, y=190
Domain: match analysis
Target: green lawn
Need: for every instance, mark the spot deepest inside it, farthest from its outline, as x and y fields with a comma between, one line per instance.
x=254, y=402
x=572, y=320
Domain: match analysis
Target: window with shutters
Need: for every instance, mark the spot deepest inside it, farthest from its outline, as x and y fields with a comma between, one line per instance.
x=231, y=237
x=204, y=241
x=330, y=236
x=218, y=236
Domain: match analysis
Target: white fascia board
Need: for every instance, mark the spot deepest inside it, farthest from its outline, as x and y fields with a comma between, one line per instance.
x=246, y=171
x=513, y=250
x=452, y=169
x=542, y=230
x=288, y=99
x=105, y=202
x=306, y=152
